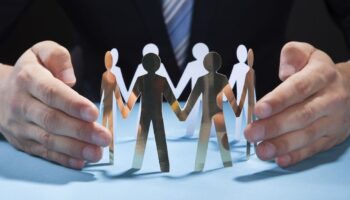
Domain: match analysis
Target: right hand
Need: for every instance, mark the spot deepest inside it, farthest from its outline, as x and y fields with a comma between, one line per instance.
x=42, y=115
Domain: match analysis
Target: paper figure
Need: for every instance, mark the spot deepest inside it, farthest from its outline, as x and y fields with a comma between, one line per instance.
x=109, y=88
x=212, y=87
x=249, y=89
x=151, y=87
x=237, y=77
x=192, y=72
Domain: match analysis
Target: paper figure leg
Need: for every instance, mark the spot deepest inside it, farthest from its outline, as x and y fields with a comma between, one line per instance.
x=108, y=119
x=162, y=149
x=221, y=134
x=142, y=135
x=192, y=120
x=202, y=147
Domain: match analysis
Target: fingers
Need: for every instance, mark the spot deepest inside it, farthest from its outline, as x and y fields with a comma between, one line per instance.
x=291, y=119
x=57, y=122
x=62, y=159
x=68, y=146
x=56, y=59
x=286, y=143
x=49, y=90
x=316, y=75
x=322, y=144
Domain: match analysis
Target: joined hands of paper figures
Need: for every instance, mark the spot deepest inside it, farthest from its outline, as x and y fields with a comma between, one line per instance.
x=151, y=88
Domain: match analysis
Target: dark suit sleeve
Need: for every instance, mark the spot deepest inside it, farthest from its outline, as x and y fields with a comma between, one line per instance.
x=10, y=11
x=340, y=11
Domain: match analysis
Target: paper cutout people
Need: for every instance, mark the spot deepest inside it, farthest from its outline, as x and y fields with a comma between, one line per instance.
x=151, y=87
x=151, y=82
x=109, y=88
x=212, y=87
x=192, y=72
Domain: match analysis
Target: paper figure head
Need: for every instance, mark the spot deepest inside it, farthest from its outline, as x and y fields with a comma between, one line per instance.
x=212, y=62
x=242, y=53
x=199, y=51
x=150, y=48
x=108, y=60
x=115, y=55
x=151, y=62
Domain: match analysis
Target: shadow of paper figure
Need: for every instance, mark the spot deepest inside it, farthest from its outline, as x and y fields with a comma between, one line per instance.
x=212, y=87
x=151, y=88
x=109, y=88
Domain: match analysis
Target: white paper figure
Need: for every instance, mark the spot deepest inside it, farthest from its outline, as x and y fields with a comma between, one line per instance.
x=192, y=72
x=237, y=77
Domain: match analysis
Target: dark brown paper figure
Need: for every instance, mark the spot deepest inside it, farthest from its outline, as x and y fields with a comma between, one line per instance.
x=249, y=88
x=212, y=87
x=109, y=88
x=151, y=87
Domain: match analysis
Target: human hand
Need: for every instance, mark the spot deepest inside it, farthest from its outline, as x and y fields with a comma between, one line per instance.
x=306, y=114
x=42, y=115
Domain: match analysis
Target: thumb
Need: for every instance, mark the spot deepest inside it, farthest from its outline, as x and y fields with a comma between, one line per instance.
x=294, y=57
x=56, y=59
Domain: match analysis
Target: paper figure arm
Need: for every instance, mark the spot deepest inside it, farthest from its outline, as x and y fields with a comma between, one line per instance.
x=118, y=98
x=140, y=71
x=121, y=83
x=103, y=85
x=174, y=103
x=251, y=94
x=237, y=109
x=132, y=99
x=185, y=78
x=192, y=99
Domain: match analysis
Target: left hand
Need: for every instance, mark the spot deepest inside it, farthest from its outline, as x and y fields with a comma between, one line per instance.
x=308, y=113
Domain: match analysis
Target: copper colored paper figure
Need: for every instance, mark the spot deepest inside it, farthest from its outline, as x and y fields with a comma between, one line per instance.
x=109, y=88
x=212, y=87
x=249, y=89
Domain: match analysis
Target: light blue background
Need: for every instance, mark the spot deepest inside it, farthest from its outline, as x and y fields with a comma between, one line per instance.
x=325, y=176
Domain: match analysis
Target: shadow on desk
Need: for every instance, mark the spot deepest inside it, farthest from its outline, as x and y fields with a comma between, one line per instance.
x=330, y=156
x=16, y=165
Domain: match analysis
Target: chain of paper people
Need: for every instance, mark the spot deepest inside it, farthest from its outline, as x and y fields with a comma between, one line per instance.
x=209, y=89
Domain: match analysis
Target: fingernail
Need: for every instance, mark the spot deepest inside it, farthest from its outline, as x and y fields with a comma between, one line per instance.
x=89, y=154
x=88, y=114
x=263, y=110
x=99, y=140
x=266, y=151
x=283, y=161
x=67, y=76
x=256, y=133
